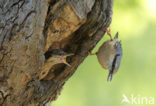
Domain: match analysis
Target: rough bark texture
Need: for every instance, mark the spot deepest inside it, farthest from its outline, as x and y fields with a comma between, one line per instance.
x=30, y=30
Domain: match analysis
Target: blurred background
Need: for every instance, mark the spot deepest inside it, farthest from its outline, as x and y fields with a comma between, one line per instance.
x=135, y=20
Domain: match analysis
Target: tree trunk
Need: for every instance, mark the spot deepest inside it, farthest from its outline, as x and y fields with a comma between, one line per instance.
x=30, y=30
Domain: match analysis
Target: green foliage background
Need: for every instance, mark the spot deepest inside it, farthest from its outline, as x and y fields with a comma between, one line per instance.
x=135, y=20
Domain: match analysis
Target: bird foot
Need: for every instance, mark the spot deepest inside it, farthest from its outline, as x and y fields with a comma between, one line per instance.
x=91, y=53
x=109, y=33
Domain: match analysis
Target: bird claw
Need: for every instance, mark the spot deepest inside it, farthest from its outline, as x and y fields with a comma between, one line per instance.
x=91, y=53
x=109, y=33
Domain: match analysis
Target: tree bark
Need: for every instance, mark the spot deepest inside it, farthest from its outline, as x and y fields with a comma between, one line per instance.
x=30, y=30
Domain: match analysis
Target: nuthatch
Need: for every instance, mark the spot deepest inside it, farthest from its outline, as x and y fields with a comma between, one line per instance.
x=56, y=57
x=109, y=55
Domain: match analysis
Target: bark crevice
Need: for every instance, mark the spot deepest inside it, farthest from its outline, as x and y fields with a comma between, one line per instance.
x=30, y=30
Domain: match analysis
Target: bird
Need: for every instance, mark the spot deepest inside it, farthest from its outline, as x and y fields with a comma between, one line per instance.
x=55, y=57
x=110, y=54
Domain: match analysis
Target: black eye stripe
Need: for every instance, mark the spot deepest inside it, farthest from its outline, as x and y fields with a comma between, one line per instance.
x=114, y=61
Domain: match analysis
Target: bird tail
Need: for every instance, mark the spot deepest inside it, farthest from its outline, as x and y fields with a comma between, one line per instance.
x=116, y=36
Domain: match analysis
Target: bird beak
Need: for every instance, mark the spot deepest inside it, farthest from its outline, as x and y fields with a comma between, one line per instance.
x=65, y=57
x=65, y=62
x=70, y=54
x=110, y=76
